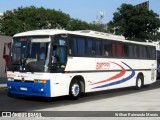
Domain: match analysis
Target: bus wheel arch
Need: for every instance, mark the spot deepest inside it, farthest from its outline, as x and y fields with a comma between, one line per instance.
x=76, y=87
x=139, y=81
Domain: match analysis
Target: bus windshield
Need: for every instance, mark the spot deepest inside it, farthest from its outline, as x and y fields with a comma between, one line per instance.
x=30, y=54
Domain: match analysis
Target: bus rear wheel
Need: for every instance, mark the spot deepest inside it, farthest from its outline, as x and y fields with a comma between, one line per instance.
x=139, y=82
x=75, y=90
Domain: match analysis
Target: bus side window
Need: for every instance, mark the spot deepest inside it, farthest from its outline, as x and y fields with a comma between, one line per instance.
x=90, y=48
x=125, y=50
x=106, y=53
x=72, y=48
x=98, y=47
x=80, y=46
x=70, y=51
x=108, y=48
x=119, y=50
x=113, y=49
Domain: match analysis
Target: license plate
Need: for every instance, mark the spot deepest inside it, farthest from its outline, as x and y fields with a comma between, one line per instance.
x=24, y=89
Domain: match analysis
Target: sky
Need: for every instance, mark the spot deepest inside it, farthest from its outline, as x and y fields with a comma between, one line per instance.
x=86, y=10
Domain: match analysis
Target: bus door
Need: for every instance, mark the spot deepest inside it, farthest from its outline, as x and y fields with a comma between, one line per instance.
x=59, y=54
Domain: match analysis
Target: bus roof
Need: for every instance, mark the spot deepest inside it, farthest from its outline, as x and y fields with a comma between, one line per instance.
x=89, y=33
x=40, y=32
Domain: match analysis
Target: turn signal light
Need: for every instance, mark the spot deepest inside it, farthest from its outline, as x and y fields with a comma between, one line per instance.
x=40, y=81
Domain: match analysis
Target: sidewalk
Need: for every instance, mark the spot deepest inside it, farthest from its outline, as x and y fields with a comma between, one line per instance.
x=3, y=82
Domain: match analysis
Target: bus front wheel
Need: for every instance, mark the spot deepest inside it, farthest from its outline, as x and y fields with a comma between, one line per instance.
x=139, y=82
x=75, y=90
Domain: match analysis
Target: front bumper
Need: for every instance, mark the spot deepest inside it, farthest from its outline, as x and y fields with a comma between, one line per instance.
x=29, y=89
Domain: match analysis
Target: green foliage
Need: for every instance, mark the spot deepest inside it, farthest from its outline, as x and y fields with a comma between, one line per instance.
x=31, y=18
x=134, y=23
x=75, y=24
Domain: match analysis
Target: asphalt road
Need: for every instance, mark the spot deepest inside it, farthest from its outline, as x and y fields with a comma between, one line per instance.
x=147, y=98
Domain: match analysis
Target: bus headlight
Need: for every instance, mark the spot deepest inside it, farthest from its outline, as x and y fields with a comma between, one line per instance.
x=40, y=81
x=10, y=79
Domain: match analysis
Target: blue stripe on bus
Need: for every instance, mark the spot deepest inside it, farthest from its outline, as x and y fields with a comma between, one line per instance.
x=29, y=89
x=119, y=81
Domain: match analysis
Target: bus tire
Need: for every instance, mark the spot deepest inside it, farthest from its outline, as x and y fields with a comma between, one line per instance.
x=75, y=90
x=139, y=82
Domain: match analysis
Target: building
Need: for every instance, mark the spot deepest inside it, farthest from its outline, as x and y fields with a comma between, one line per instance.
x=4, y=50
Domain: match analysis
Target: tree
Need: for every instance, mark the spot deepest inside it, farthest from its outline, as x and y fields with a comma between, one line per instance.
x=75, y=24
x=31, y=18
x=134, y=23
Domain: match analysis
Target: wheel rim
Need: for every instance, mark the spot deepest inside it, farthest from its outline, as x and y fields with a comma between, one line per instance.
x=75, y=89
x=139, y=83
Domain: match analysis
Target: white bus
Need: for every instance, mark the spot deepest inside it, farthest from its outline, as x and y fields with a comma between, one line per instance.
x=157, y=44
x=53, y=63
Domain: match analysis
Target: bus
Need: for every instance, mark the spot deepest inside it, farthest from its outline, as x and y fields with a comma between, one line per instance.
x=158, y=64
x=77, y=62
x=157, y=43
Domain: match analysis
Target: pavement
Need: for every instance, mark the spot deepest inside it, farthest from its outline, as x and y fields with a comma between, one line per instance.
x=3, y=82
